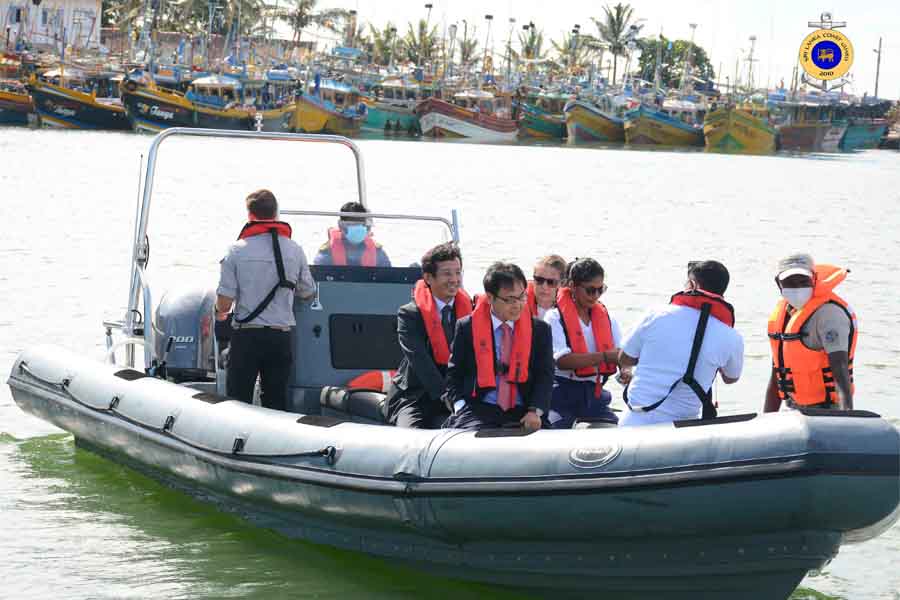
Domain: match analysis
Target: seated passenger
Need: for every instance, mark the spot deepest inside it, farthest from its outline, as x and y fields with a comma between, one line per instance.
x=425, y=330
x=544, y=284
x=501, y=366
x=351, y=243
x=677, y=352
x=585, y=347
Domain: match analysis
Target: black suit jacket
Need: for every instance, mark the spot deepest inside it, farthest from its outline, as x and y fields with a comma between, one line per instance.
x=419, y=380
x=462, y=372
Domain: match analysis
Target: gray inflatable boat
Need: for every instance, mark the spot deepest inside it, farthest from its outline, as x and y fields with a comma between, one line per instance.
x=741, y=506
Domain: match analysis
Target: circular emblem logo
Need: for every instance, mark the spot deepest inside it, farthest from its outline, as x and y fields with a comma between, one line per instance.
x=595, y=456
x=826, y=54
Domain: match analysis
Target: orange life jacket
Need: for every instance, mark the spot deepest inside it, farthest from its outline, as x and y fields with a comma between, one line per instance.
x=483, y=341
x=532, y=299
x=431, y=316
x=719, y=308
x=600, y=325
x=339, y=253
x=803, y=374
x=252, y=228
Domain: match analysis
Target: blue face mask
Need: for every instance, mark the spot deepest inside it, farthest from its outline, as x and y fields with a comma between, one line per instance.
x=355, y=234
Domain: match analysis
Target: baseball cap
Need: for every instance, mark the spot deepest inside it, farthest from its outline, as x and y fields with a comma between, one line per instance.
x=796, y=264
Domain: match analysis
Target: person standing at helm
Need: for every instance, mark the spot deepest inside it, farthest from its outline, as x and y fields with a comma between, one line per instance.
x=351, y=242
x=677, y=350
x=425, y=330
x=585, y=348
x=260, y=275
x=812, y=332
x=544, y=284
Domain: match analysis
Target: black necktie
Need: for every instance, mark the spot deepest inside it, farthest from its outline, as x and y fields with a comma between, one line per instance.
x=447, y=322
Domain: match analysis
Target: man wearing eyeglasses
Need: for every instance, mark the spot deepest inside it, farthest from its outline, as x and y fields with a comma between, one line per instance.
x=500, y=372
x=585, y=348
x=678, y=348
x=425, y=329
x=351, y=242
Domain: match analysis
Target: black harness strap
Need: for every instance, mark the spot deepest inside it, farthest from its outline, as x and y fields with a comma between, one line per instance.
x=283, y=282
x=709, y=409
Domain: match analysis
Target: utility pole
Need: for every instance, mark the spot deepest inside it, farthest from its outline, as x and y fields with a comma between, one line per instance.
x=487, y=37
x=687, y=61
x=877, y=67
x=512, y=22
x=750, y=61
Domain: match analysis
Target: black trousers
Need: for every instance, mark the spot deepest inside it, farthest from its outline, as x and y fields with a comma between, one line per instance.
x=483, y=415
x=263, y=352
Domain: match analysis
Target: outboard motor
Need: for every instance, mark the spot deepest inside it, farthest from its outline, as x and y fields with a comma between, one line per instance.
x=184, y=335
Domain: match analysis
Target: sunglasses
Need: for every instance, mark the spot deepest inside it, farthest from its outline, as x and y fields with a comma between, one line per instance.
x=593, y=291
x=538, y=280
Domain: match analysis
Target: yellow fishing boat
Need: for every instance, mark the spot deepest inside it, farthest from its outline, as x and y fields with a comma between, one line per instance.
x=740, y=129
x=676, y=123
x=329, y=107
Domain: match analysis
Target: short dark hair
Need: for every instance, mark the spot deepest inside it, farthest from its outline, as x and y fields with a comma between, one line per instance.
x=262, y=204
x=502, y=275
x=582, y=270
x=440, y=253
x=710, y=275
x=353, y=207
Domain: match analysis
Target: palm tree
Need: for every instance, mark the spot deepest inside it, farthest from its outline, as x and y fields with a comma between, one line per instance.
x=300, y=14
x=384, y=43
x=468, y=46
x=613, y=29
x=532, y=43
x=419, y=43
x=574, y=50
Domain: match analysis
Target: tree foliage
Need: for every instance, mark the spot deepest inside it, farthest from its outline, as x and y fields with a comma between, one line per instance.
x=673, y=58
x=613, y=29
x=419, y=44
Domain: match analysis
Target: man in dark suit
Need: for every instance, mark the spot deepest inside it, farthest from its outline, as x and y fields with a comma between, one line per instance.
x=425, y=329
x=500, y=372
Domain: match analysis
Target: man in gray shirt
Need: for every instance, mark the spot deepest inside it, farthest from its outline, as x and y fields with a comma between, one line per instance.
x=260, y=275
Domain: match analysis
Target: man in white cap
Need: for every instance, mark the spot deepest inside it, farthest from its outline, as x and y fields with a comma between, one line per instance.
x=812, y=332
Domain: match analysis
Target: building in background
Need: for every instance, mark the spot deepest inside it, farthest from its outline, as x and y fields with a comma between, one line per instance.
x=46, y=25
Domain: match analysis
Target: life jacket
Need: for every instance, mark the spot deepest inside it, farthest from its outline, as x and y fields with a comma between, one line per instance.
x=378, y=381
x=600, y=325
x=532, y=299
x=431, y=316
x=339, y=253
x=719, y=308
x=709, y=305
x=483, y=341
x=275, y=229
x=802, y=374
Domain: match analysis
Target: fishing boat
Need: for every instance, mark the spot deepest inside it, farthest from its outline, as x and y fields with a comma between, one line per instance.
x=593, y=121
x=811, y=126
x=329, y=106
x=737, y=507
x=15, y=103
x=477, y=115
x=866, y=126
x=392, y=110
x=76, y=99
x=215, y=101
x=675, y=123
x=741, y=129
x=542, y=114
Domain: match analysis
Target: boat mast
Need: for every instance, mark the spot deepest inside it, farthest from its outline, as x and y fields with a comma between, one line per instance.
x=877, y=68
x=687, y=61
x=656, y=73
x=750, y=61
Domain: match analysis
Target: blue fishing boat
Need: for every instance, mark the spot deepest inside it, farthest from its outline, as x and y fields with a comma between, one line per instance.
x=675, y=123
x=863, y=133
x=392, y=110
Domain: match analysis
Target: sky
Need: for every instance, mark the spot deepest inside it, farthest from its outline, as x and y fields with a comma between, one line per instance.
x=723, y=28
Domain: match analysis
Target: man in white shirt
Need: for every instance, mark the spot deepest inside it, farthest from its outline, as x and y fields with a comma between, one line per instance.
x=667, y=385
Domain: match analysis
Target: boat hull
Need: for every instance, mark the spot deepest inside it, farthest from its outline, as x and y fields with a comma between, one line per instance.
x=647, y=126
x=585, y=123
x=863, y=135
x=311, y=117
x=442, y=119
x=61, y=107
x=403, y=121
x=15, y=108
x=807, y=137
x=465, y=503
x=540, y=124
x=152, y=110
x=833, y=136
x=736, y=131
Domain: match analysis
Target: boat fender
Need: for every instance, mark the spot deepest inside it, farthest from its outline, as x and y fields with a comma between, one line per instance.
x=377, y=381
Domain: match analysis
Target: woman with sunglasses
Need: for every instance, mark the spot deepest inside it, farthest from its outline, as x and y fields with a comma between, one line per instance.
x=585, y=348
x=544, y=284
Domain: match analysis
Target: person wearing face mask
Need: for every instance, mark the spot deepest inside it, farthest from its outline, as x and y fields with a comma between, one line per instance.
x=678, y=348
x=351, y=242
x=425, y=330
x=585, y=348
x=812, y=333
x=544, y=284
